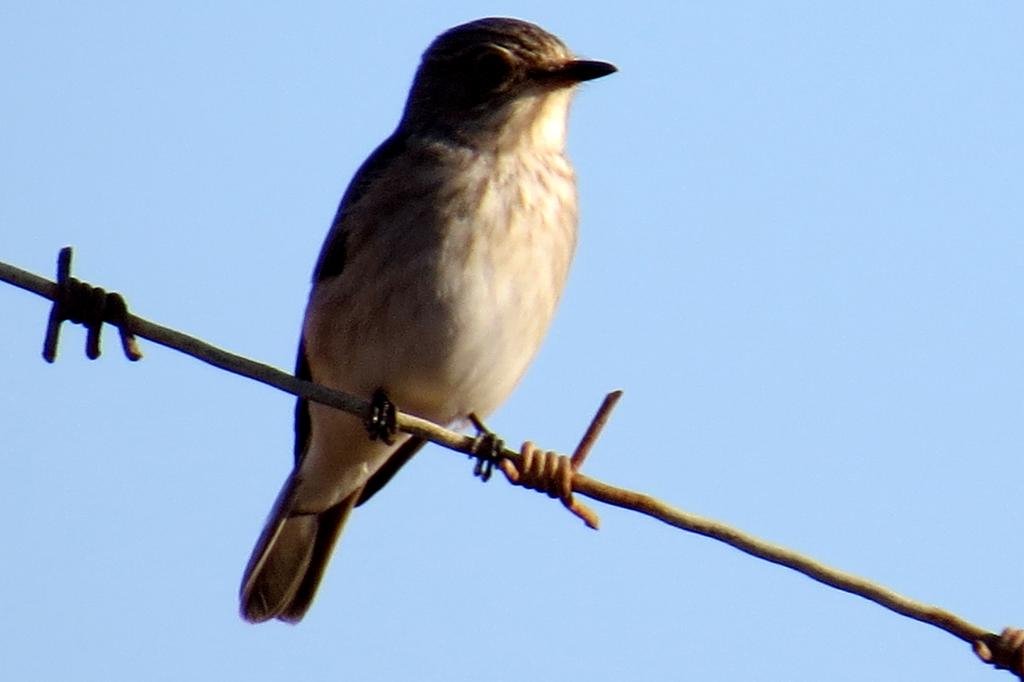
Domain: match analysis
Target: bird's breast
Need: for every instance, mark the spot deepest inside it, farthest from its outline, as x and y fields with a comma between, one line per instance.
x=447, y=298
x=502, y=269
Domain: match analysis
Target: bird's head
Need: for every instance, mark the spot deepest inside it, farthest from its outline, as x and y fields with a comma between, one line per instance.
x=500, y=81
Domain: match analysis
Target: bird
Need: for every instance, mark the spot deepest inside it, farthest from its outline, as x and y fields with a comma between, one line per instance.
x=435, y=285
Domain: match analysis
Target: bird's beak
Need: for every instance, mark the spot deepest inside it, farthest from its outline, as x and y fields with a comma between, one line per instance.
x=577, y=71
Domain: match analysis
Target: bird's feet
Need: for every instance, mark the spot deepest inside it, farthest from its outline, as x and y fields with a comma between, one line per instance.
x=487, y=449
x=382, y=422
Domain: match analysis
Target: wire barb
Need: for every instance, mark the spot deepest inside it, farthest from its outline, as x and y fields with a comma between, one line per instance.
x=548, y=472
x=1005, y=651
x=90, y=306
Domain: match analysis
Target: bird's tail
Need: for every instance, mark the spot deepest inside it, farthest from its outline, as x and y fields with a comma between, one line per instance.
x=289, y=558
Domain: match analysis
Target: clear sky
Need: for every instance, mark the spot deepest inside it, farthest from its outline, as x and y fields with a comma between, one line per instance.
x=801, y=256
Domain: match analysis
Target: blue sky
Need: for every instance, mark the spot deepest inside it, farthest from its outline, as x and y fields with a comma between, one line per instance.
x=801, y=257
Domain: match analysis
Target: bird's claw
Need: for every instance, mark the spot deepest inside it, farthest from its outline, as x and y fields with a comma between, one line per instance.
x=382, y=421
x=487, y=449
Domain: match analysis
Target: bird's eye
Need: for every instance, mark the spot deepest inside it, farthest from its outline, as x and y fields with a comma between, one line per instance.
x=490, y=70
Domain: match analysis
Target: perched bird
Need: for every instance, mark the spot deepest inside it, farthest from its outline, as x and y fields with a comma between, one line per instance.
x=435, y=285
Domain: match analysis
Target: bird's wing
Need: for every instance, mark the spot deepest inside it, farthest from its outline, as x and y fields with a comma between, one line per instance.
x=332, y=256
x=330, y=264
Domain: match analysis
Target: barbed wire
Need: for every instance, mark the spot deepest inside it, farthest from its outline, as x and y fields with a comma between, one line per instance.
x=545, y=471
